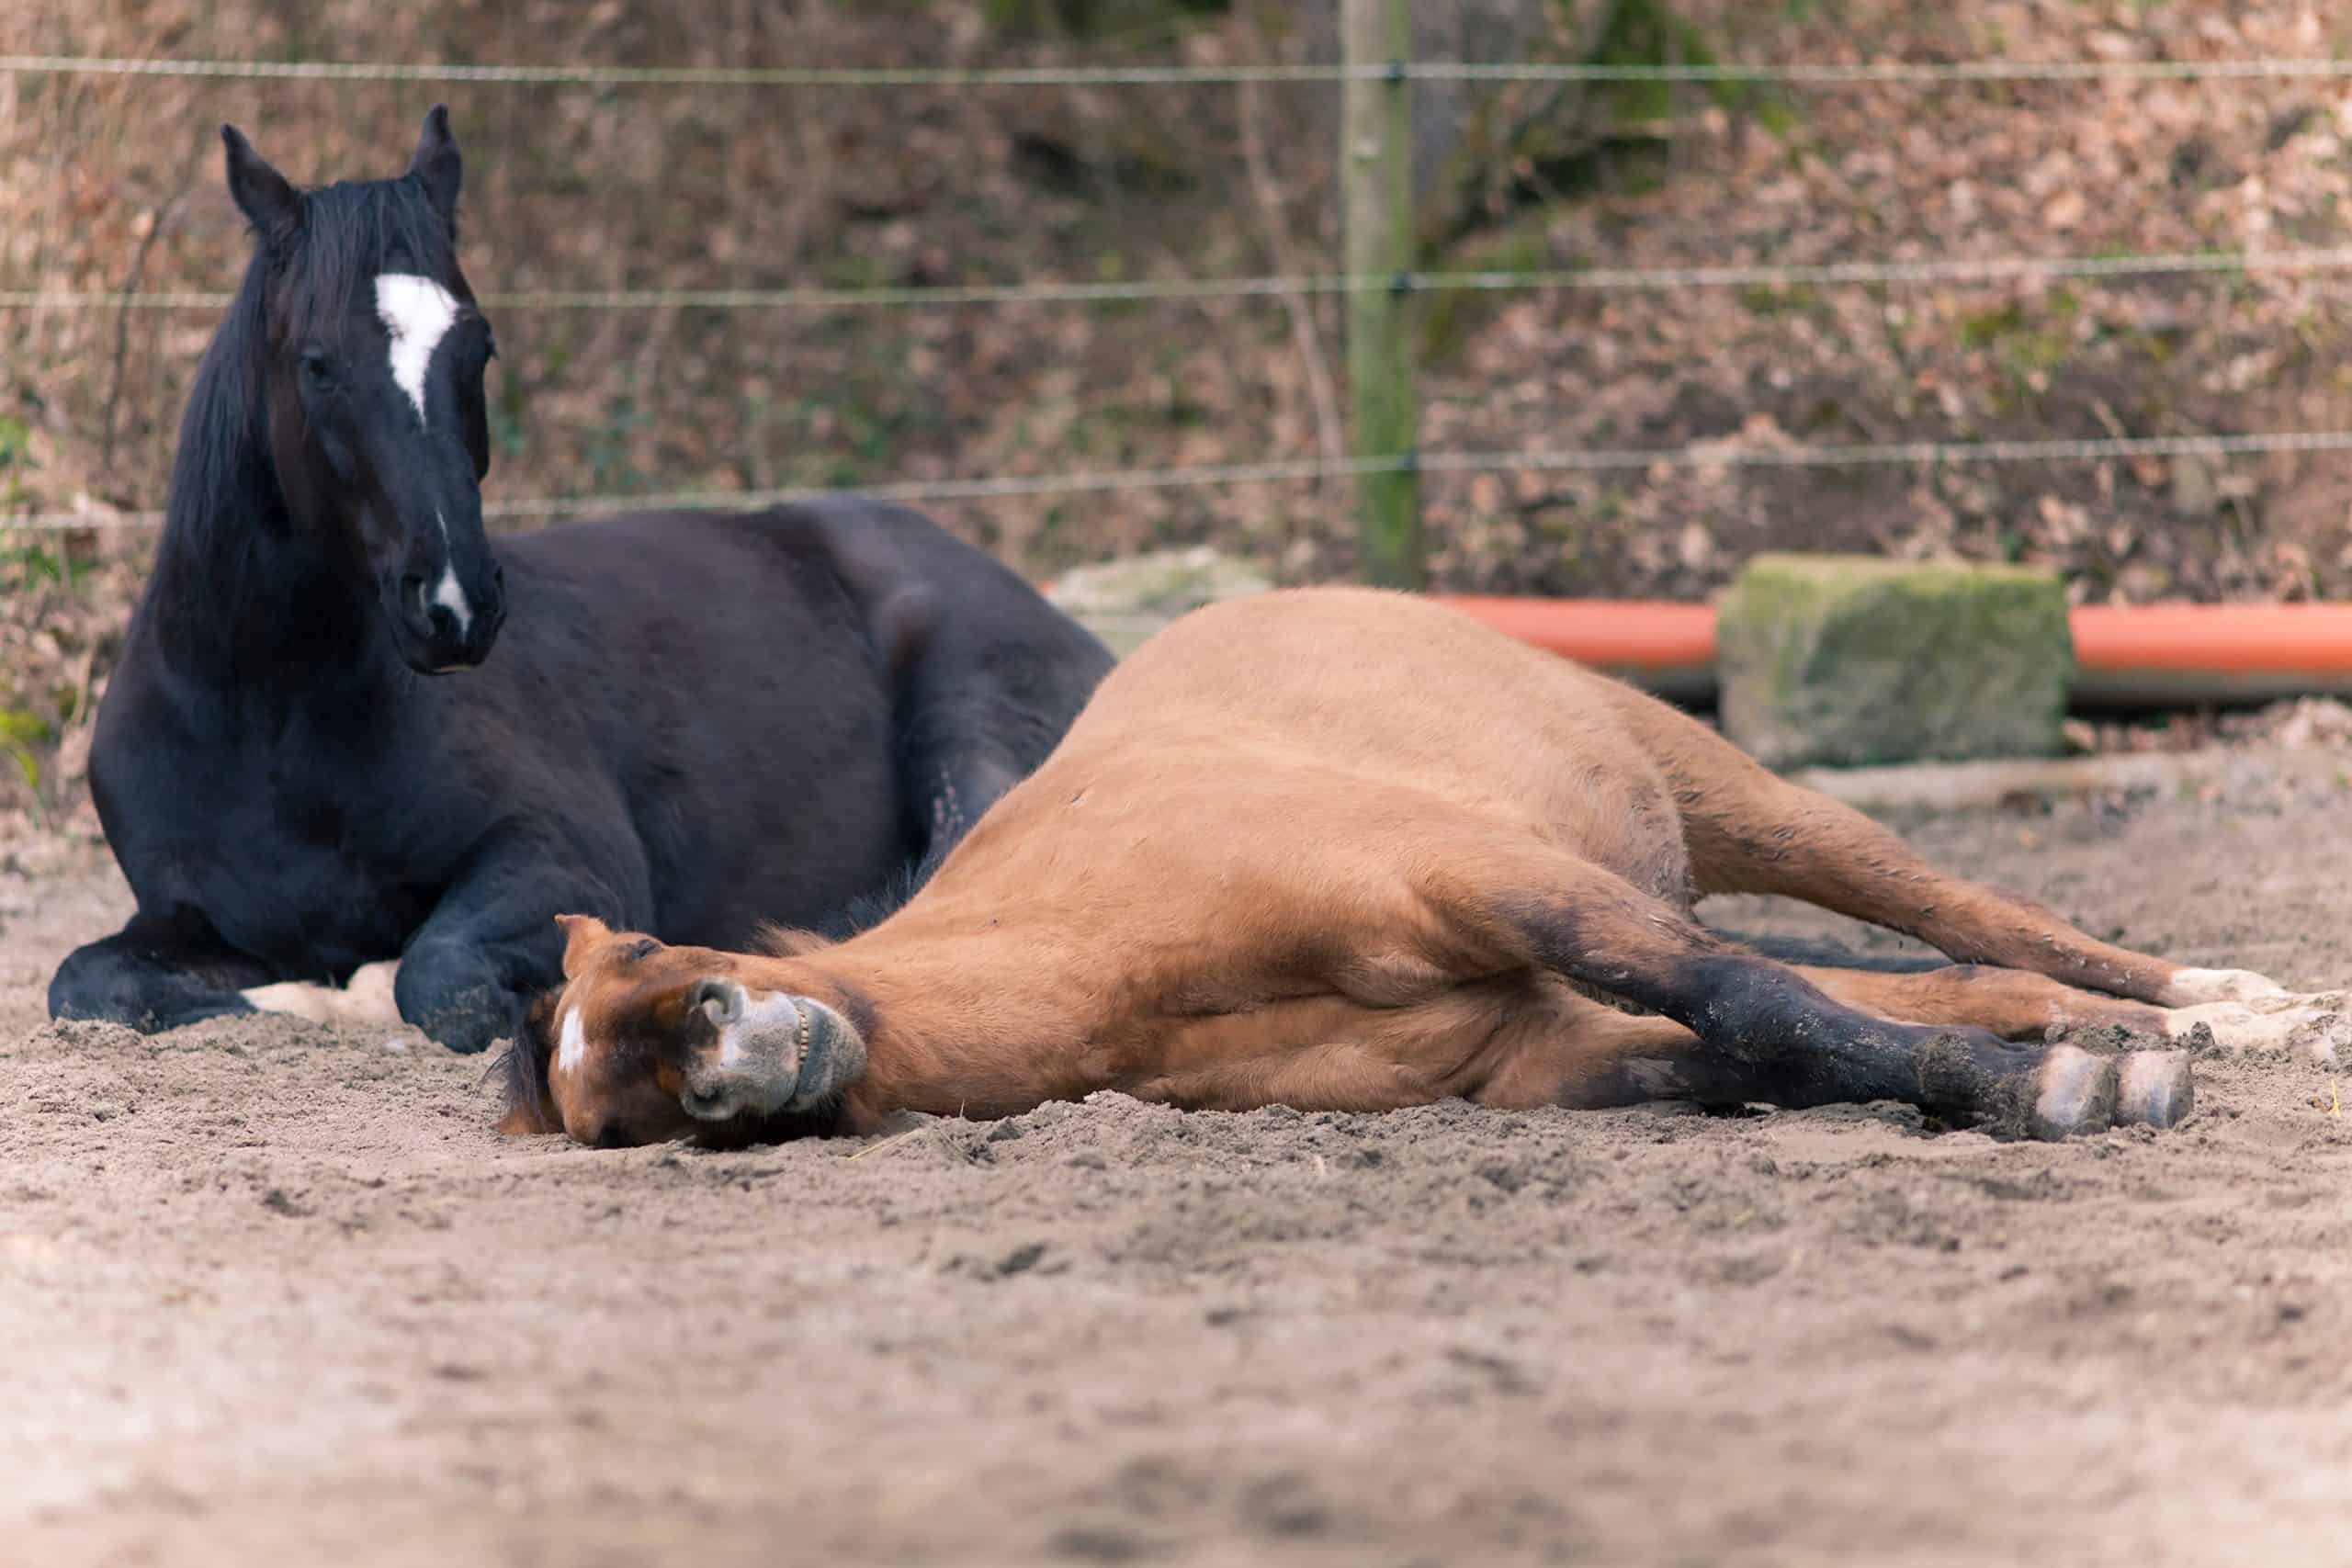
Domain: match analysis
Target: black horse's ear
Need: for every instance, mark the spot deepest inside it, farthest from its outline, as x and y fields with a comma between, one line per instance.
x=436, y=162
x=267, y=198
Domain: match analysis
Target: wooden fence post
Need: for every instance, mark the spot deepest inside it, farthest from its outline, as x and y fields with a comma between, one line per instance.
x=1376, y=185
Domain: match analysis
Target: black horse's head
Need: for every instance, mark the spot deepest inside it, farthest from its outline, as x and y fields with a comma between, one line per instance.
x=373, y=367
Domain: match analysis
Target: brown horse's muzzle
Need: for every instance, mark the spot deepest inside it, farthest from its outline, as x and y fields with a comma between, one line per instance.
x=757, y=1054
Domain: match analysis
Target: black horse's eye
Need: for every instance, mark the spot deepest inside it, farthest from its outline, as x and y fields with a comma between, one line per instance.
x=318, y=364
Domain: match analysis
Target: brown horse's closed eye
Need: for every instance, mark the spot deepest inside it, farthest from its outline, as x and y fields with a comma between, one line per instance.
x=1337, y=849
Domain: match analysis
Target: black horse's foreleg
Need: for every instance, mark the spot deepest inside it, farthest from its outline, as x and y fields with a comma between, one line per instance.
x=491, y=943
x=159, y=972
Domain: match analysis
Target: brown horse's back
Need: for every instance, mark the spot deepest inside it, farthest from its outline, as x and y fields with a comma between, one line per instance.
x=1288, y=718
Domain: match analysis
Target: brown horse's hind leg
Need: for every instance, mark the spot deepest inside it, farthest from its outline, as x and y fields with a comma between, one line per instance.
x=1762, y=1029
x=2018, y=1005
x=1590, y=1057
x=1748, y=831
x=2013, y=1003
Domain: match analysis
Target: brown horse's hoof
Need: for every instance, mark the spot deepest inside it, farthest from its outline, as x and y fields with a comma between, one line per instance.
x=2153, y=1089
x=2074, y=1092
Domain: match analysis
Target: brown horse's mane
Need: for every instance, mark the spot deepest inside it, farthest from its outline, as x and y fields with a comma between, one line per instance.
x=521, y=1070
x=789, y=942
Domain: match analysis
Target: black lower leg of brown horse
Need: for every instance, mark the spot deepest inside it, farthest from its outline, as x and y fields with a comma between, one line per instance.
x=1758, y=1023
x=1609, y=1058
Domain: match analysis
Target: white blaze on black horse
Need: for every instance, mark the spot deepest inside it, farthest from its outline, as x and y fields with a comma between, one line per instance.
x=418, y=314
x=690, y=723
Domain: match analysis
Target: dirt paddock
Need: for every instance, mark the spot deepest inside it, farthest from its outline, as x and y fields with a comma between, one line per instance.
x=269, y=1293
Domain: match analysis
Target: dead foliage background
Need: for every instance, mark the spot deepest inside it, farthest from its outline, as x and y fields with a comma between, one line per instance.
x=114, y=183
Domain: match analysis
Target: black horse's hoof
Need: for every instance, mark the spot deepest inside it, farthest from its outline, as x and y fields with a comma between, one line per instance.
x=104, y=983
x=471, y=1022
x=452, y=994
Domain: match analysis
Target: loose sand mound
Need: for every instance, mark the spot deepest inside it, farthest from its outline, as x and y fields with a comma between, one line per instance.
x=265, y=1287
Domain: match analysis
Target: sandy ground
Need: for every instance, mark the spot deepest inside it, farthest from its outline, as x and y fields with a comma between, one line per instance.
x=268, y=1288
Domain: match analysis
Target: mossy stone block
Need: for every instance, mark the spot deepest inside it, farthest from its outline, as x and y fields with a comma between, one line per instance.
x=1125, y=602
x=1847, y=660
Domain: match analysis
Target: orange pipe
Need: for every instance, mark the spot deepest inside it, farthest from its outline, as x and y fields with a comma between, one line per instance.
x=1616, y=634
x=2173, y=653
x=2237, y=639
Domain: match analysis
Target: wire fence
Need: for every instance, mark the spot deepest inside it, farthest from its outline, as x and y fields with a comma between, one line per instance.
x=1823, y=74
x=1987, y=269
x=1644, y=460
x=1048, y=293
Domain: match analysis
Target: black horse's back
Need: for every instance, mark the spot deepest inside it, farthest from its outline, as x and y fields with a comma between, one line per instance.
x=796, y=692
x=983, y=689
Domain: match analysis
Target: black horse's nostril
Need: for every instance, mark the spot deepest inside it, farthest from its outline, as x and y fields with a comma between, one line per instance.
x=428, y=619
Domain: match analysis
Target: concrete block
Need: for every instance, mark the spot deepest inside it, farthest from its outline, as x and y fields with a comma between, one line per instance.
x=1847, y=660
x=1124, y=602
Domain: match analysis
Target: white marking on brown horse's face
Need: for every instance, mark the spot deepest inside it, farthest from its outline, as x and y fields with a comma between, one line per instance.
x=571, y=1045
x=418, y=314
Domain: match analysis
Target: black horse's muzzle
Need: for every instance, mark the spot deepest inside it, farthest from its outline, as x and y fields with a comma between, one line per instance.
x=445, y=621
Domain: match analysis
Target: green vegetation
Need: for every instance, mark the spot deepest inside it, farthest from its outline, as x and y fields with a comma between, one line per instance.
x=1129, y=21
x=1450, y=318
x=16, y=456
x=1570, y=141
x=611, y=467
x=27, y=567
x=1645, y=32
x=2026, y=345
x=23, y=736
x=1796, y=300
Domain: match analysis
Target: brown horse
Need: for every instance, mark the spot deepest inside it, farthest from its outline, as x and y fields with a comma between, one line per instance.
x=1343, y=850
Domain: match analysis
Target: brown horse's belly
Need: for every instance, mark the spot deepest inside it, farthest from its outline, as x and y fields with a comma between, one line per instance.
x=1329, y=1052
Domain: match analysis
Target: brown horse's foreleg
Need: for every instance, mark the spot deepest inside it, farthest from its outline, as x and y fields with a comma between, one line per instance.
x=1750, y=831
x=1762, y=1029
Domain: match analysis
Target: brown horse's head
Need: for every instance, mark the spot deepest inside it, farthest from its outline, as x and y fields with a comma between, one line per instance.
x=646, y=1042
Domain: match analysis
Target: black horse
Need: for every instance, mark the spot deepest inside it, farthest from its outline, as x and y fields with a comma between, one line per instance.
x=693, y=725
